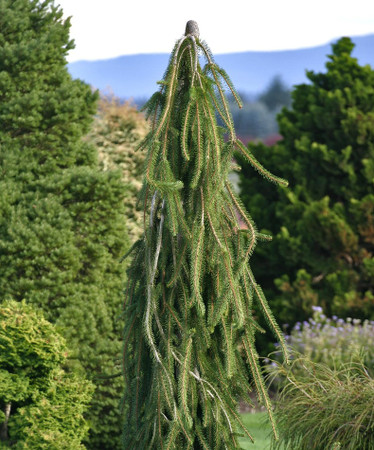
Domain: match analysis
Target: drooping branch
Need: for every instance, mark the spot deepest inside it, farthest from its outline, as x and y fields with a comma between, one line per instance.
x=191, y=289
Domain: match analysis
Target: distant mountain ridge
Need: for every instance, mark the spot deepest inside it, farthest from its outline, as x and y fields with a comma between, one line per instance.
x=135, y=76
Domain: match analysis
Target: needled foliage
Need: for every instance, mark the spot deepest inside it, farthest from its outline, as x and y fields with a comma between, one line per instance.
x=323, y=247
x=42, y=404
x=62, y=231
x=189, y=337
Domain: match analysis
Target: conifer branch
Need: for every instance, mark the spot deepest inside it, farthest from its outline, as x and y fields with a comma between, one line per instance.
x=228, y=121
x=256, y=165
x=229, y=84
x=268, y=314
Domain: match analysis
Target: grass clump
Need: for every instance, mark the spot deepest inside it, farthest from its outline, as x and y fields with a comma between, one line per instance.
x=324, y=408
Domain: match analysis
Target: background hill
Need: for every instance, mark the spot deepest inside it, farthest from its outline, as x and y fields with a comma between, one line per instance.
x=135, y=76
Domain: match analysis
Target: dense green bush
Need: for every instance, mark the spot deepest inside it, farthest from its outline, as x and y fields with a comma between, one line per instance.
x=322, y=408
x=323, y=225
x=42, y=404
x=62, y=227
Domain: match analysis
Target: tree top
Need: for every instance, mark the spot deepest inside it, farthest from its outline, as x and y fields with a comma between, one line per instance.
x=192, y=28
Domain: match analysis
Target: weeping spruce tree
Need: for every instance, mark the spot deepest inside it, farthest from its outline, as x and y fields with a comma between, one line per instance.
x=189, y=339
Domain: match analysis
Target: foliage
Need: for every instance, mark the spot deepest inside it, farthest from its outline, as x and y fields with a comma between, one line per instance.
x=61, y=217
x=189, y=333
x=45, y=403
x=322, y=408
x=117, y=130
x=323, y=226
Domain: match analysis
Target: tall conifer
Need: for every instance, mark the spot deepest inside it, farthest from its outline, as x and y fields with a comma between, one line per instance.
x=323, y=226
x=62, y=231
x=189, y=338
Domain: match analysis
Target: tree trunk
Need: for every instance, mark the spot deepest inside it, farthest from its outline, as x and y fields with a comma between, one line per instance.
x=4, y=425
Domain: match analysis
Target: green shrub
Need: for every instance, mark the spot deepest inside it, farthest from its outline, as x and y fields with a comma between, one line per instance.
x=324, y=409
x=116, y=132
x=42, y=405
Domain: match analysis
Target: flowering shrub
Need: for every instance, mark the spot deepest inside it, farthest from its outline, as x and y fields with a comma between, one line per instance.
x=333, y=341
x=325, y=397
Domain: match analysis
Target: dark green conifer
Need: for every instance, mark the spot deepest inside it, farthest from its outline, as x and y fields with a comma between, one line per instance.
x=62, y=231
x=189, y=338
x=323, y=226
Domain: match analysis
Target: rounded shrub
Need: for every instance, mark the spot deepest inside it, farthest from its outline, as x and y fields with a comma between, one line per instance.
x=42, y=404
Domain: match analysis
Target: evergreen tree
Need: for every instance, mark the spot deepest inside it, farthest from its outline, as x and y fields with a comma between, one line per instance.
x=276, y=95
x=62, y=231
x=189, y=335
x=323, y=226
x=254, y=121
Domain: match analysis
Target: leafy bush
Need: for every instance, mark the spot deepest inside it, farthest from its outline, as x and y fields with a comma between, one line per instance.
x=42, y=405
x=322, y=408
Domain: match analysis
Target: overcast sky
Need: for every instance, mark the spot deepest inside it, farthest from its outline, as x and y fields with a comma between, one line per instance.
x=109, y=28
